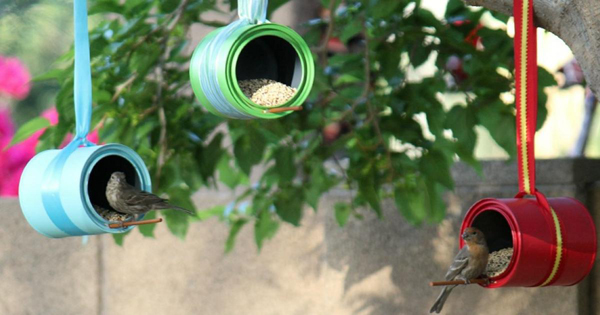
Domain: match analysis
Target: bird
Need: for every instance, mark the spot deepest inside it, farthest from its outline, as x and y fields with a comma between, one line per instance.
x=128, y=199
x=469, y=263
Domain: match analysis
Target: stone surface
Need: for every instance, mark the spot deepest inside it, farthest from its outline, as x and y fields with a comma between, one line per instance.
x=371, y=266
x=45, y=276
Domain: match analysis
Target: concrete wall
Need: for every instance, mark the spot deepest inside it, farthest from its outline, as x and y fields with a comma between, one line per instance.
x=369, y=267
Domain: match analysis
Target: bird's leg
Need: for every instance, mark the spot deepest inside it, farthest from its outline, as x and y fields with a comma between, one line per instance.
x=461, y=277
x=487, y=279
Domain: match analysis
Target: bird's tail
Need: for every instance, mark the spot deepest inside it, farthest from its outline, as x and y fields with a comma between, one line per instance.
x=165, y=206
x=439, y=303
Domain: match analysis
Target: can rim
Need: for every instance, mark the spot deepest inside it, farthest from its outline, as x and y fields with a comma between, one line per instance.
x=101, y=152
x=491, y=204
x=245, y=35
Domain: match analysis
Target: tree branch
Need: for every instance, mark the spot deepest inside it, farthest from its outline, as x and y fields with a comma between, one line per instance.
x=576, y=22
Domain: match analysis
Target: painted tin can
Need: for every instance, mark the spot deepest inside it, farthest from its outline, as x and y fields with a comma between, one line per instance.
x=81, y=184
x=530, y=229
x=251, y=51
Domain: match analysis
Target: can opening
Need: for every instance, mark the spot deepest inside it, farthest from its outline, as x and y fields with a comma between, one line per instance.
x=494, y=226
x=100, y=174
x=269, y=57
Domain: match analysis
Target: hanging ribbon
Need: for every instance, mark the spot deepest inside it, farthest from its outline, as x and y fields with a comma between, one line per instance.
x=526, y=98
x=526, y=101
x=254, y=11
x=83, y=114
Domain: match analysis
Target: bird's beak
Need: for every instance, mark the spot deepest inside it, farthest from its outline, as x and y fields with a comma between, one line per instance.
x=464, y=235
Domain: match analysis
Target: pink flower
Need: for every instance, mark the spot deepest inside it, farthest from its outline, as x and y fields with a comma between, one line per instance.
x=14, y=160
x=14, y=78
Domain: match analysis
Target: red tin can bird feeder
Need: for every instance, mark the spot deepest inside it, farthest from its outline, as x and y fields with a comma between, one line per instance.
x=554, y=239
x=539, y=256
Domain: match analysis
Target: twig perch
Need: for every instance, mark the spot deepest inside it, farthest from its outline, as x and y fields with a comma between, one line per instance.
x=126, y=224
x=453, y=282
x=283, y=109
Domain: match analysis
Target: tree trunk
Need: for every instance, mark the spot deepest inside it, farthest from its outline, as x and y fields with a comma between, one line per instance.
x=576, y=22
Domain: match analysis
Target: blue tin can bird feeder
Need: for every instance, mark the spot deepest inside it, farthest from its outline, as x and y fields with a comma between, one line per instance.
x=59, y=188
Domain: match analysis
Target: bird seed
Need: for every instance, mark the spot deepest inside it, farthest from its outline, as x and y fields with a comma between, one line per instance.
x=266, y=92
x=498, y=261
x=111, y=215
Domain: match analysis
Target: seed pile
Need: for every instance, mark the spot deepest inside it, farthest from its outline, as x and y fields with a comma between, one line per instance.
x=266, y=92
x=498, y=261
x=111, y=215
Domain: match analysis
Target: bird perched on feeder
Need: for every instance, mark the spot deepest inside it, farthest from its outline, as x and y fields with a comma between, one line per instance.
x=128, y=199
x=469, y=263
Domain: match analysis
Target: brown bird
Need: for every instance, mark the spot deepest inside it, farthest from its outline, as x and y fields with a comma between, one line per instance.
x=125, y=198
x=469, y=263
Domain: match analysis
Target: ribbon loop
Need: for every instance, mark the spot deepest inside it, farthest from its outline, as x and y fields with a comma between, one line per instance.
x=83, y=77
x=83, y=116
x=254, y=11
x=526, y=92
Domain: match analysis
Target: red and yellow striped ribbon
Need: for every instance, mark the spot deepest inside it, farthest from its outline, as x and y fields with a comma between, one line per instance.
x=526, y=86
x=526, y=99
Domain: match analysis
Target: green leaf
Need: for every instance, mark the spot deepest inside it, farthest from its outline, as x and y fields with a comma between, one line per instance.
x=265, y=227
x=284, y=164
x=53, y=74
x=215, y=211
x=236, y=227
x=545, y=79
x=383, y=8
x=288, y=205
x=351, y=30
x=437, y=167
x=462, y=122
x=320, y=183
x=435, y=202
x=410, y=201
x=248, y=150
x=210, y=156
x=148, y=229
x=177, y=222
x=500, y=121
x=342, y=213
x=120, y=237
x=228, y=174
x=28, y=129
x=369, y=191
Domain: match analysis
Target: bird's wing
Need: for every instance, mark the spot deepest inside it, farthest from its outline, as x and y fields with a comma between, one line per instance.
x=134, y=197
x=460, y=262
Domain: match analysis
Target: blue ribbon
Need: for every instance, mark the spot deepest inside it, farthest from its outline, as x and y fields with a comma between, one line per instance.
x=83, y=115
x=254, y=11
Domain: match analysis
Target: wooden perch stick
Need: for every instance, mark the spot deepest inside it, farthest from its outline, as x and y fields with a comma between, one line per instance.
x=453, y=282
x=283, y=109
x=126, y=224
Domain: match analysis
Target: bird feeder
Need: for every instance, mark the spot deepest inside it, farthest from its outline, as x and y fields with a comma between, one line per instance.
x=59, y=188
x=250, y=48
x=553, y=240
x=540, y=255
x=58, y=199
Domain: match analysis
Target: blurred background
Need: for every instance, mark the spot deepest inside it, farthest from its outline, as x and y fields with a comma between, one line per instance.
x=314, y=269
x=35, y=33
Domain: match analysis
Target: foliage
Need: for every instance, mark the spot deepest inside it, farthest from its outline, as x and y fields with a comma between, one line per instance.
x=38, y=32
x=368, y=124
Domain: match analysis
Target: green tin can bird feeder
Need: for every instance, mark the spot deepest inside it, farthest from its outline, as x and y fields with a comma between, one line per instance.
x=251, y=48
